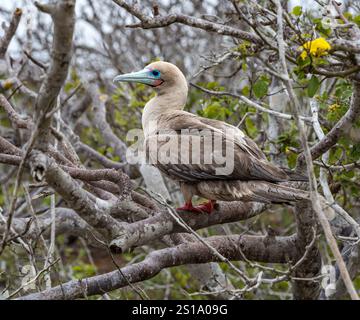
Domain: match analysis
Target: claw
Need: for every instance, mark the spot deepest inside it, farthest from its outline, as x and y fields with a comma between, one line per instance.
x=207, y=207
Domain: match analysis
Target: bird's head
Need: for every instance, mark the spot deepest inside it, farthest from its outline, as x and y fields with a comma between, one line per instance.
x=162, y=76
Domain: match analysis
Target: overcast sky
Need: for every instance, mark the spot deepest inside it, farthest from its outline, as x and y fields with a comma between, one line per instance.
x=83, y=31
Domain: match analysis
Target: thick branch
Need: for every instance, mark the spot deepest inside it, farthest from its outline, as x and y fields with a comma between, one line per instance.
x=73, y=194
x=311, y=266
x=154, y=227
x=63, y=15
x=258, y=248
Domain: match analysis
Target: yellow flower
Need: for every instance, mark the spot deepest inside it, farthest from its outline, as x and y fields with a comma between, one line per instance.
x=334, y=107
x=7, y=84
x=317, y=48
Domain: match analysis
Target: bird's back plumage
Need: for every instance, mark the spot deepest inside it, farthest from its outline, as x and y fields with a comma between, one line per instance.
x=183, y=127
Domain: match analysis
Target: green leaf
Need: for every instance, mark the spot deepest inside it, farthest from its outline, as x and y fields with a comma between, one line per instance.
x=306, y=36
x=302, y=63
x=244, y=66
x=212, y=85
x=357, y=20
x=245, y=91
x=297, y=11
x=318, y=61
x=348, y=15
x=250, y=127
x=260, y=88
x=313, y=86
x=215, y=111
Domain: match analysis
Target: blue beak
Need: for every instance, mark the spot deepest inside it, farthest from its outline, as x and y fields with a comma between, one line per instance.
x=144, y=76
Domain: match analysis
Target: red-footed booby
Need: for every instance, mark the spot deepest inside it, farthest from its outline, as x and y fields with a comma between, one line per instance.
x=251, y=176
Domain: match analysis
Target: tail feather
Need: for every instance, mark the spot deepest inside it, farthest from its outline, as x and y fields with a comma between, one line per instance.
x=260, y=191
x=277, y=193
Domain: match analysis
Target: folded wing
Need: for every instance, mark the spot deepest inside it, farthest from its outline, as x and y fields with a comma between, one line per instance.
x=192, y=149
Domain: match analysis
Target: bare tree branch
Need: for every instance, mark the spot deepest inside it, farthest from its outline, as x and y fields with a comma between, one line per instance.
x=275, y=250
x=10, y=32
x=163, y=21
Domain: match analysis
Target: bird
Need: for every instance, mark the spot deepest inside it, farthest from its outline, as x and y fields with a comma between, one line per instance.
x=172, y=135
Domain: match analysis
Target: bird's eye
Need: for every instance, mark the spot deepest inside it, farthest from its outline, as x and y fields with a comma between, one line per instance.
x=155, y=73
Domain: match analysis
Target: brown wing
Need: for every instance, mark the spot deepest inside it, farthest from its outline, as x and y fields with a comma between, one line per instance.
x=190, y=148
x=241, y=137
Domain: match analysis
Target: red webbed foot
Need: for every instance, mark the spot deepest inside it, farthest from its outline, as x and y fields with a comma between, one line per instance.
x=188, y=206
